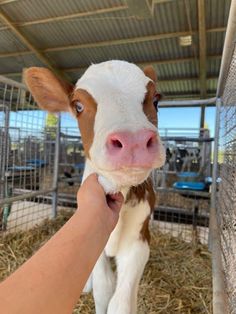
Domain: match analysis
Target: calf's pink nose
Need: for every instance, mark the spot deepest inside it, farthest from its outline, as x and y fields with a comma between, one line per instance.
x=132, y=149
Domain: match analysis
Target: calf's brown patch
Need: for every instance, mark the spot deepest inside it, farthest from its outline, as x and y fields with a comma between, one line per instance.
x=148, y=106
x=143, y=192
x=86, y=118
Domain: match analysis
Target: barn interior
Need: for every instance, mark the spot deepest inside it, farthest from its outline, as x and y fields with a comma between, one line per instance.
x=191, y=46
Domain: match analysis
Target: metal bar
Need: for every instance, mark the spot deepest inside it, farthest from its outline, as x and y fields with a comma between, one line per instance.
x=171, y=214
x=219, y=289
x=214, y=170
x=74, y=15
x=56, y=168
x=187, y=139
x=202, y=117
x=10, y=200
x=6, y=148
x=141, y=64
x=185, y=192
x=215, y=155
x=69, y=16
x=229, y=46
x=187, y=103
x=124, y=41
x=202, y=53
x=7, y=1
x=10, y=82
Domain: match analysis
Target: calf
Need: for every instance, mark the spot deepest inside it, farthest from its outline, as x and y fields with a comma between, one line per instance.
x=113, y=103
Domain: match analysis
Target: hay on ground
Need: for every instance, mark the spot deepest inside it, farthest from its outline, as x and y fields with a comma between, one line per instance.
x=177, y=278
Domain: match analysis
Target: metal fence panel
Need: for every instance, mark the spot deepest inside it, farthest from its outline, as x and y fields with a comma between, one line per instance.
x=26, y=158
x=226, y=197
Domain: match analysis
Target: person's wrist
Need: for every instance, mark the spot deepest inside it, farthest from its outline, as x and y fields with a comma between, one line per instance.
x=96, y=220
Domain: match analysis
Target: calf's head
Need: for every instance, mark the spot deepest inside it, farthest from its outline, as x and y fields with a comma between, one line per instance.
x=113, y=103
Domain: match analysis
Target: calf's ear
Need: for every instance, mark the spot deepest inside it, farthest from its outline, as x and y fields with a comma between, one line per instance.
x=50, y=92
x=151, y=73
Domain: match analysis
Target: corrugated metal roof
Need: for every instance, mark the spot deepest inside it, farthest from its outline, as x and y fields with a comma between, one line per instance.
x=28, y=10
x=217, y=12
x=9, y=42
x=169, y=17
x=175, y=70
x=211, y=85
x=215, y=42
x=176, y=87
x=213, y=67
x=164, y=71
x=16, y=64
x=135, y=52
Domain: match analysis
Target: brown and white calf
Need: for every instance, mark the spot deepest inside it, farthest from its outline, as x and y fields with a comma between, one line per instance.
x=113, y=103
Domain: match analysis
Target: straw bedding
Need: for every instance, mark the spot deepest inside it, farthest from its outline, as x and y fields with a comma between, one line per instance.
x=177, y=278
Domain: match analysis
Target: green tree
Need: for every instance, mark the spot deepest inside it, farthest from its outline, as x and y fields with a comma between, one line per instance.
x=51, y=126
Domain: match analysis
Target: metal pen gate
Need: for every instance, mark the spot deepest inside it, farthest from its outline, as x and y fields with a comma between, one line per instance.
x=27, y=157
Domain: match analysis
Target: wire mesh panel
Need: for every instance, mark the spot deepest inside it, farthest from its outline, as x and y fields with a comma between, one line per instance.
x=26, y=159
x=182, y=185
x=226, y=196
x=71, y=160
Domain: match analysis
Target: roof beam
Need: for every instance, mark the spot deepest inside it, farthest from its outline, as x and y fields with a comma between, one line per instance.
x=157, y=62
x=69, y=16
x=202, y=46
x=141, y=64
x=168, y=80
x=106, y=43
x=124, y=41
x=75, y=15
x=34, y=50
x=7, y=1
x=180, y=79
x=162, y=1
x=202, y=56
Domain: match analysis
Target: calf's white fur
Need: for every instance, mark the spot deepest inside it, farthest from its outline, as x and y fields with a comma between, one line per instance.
x=118, y=90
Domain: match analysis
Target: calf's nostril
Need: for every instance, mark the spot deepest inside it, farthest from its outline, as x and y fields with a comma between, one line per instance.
x=150, y=142
x=116, y=143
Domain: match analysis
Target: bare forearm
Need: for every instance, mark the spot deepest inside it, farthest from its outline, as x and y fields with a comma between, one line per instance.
x=52, y=280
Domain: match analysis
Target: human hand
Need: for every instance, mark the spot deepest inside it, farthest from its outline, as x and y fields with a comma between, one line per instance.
x=102, y=208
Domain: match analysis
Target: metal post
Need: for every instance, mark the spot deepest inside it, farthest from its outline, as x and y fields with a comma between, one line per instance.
x=186, y=103
x=202, y=119
x=214, y=169
x=219, y=289
x=56, y=168
x=228, y=50
x=215, y=160
x=5, y=151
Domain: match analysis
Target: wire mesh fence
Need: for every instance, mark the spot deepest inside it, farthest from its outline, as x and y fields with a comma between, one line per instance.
x=182, y=185
x=26, y=159
x=226, y=196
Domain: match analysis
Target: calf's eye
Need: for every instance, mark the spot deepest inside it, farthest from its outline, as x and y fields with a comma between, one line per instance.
x=79, y=107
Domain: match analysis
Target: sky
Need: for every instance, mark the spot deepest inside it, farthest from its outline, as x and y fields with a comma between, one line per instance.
x=167, y=117
x=186, y=118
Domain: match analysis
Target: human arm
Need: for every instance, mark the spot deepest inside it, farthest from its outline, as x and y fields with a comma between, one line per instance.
x=52, y=280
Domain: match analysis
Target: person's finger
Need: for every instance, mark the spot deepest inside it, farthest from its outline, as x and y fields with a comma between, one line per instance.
x=115, y=201
x=91, y=185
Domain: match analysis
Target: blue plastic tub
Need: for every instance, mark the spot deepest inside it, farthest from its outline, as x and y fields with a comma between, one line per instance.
x=194, y=186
